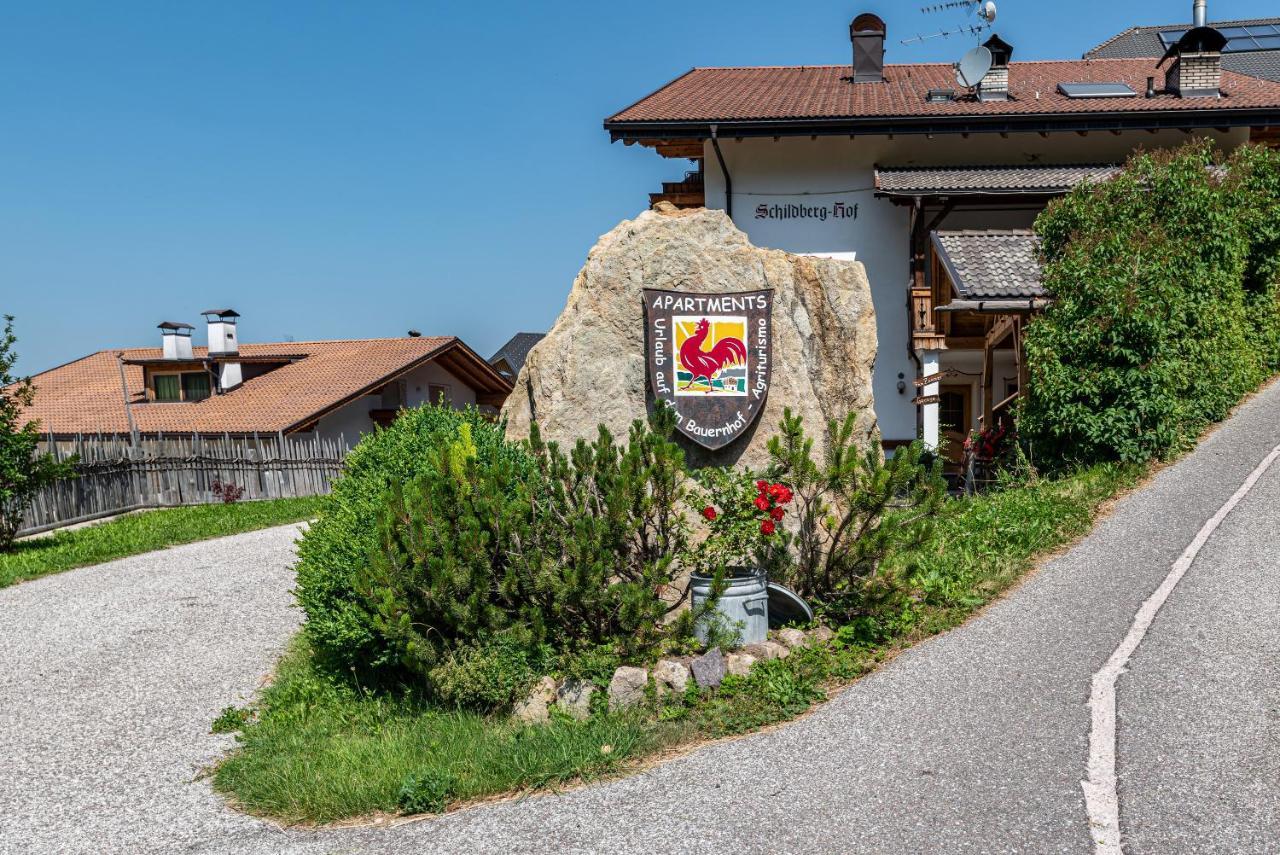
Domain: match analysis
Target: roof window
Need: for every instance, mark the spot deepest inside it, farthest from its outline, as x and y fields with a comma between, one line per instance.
x=1097, y=90
x=937, y=96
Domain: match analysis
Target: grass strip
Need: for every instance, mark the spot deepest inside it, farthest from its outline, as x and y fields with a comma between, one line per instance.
x=144, y=532
x=317, y=750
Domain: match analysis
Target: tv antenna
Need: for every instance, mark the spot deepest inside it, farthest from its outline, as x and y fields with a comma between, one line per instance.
x=984, y=9
x=973, y=66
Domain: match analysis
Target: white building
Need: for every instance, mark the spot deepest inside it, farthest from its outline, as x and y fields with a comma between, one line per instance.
x=934, y=186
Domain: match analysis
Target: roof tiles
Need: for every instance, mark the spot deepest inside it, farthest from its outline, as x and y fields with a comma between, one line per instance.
x=996, y=265
x=823, y=92
x=955, y=180
x=85, y=396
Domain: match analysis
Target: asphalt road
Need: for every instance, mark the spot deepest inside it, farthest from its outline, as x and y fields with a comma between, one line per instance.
x=973, y=742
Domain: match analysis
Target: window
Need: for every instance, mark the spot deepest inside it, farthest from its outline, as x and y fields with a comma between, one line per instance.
x=195, y=386
x=951, y=412
x=187, y=386
x=1097, y=90
x=437, y=393
x=168, y=387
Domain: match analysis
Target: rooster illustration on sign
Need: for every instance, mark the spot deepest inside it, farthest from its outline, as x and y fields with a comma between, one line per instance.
x=707, y=364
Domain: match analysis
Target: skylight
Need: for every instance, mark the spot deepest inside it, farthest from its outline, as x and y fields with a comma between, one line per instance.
x=1239, y=39
x=1097, y=90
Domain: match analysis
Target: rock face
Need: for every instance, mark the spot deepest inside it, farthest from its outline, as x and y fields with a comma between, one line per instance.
x=626, y=689
x=670, y=675
x=574, y=698
x=533, y=709
x=709, y=668
x=590, y=369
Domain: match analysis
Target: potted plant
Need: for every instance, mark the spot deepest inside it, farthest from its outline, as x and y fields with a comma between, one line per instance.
x=730, y=568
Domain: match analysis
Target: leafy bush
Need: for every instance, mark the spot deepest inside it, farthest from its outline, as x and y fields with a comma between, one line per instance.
x=1164, y=281
x=426, y=792
x=342, y=625
x=490, y=538
x=853, y=510
x=22, y=471
x=487, y=677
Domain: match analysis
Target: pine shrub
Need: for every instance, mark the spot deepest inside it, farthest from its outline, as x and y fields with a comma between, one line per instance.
x=342, y=625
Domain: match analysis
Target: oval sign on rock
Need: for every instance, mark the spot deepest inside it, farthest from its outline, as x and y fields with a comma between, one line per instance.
x=710, y=358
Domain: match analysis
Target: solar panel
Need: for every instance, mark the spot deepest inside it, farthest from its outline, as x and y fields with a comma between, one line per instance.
x=1239, y=39
x=1097, y=90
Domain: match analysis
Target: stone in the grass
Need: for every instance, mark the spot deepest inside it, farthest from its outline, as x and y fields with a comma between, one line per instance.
x=767, y=650
x=822, y=635
x=709, y=668
x=792, y=637
x=574, y=698
x=739, y=664
x=626, y=689
x=533, y=709
x=670, y=675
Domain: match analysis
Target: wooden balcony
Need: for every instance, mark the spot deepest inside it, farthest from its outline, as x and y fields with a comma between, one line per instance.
x=688, y=193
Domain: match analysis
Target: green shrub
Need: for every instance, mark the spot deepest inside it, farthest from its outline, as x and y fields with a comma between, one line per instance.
x=426, y=792
x=573, y=550
x=853, y=510
x=1164, y=312
x=487, y=677
x=341, y=625
x=231, y=719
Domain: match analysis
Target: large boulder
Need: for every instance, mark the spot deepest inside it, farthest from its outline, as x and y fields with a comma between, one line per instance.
x=590, y=369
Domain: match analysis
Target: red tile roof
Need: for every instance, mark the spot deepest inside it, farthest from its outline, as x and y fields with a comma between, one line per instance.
x=822, y=92
x=85, y=396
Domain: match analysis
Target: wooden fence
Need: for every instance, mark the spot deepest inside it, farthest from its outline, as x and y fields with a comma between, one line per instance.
x=116, y=476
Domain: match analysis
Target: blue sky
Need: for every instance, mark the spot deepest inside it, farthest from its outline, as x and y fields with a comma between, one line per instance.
x=353, y=169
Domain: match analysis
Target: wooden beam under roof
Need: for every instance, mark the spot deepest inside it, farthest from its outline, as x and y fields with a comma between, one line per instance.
x=689, y=149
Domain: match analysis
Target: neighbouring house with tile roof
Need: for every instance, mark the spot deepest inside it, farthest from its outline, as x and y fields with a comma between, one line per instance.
x=331, y=389
x=933, y=183
x=511, y=356
x=1253, y=46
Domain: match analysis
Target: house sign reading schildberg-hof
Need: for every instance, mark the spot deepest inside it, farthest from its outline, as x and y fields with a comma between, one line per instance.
x=710, y=357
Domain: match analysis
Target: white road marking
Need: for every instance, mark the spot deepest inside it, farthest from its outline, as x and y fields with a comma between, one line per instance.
x=1100, y=793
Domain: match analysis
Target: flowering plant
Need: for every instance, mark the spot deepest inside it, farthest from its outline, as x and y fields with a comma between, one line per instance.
x=743, y=517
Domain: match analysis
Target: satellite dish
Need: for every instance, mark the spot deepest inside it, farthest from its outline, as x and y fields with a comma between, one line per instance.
x=973, y=66
x=987, y=11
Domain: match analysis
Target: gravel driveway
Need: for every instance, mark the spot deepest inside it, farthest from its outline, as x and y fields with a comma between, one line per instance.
x=973, y=742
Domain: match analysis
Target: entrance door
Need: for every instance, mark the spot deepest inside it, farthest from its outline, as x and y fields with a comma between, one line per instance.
x=955, y=419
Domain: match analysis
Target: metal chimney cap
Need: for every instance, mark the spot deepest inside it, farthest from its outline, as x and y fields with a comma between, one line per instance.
x=867, y=23
x=415, y=334
x=222, y=313
x=175, y=326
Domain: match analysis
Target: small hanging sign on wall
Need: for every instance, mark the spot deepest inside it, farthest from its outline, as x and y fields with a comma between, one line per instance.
x=710, y=357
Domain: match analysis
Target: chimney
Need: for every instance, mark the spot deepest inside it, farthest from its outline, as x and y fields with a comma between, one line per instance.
x=995, y=83
x=175, y=338
x=1200, y=13
x=867, y=32
x=223, y=343
x=1196, y=71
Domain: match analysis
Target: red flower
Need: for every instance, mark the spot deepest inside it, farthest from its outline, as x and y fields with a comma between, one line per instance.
x=762, y=502
x=777, y=513
x=762, y=486
x=767, y=527
x=784, y=494
x=709, y=512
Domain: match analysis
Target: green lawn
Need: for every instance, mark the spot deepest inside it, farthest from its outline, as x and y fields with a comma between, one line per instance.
x=130, y=535
x=318, y=751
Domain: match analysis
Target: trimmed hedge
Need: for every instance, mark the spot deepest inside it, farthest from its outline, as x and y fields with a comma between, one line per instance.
x=1165, y=311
